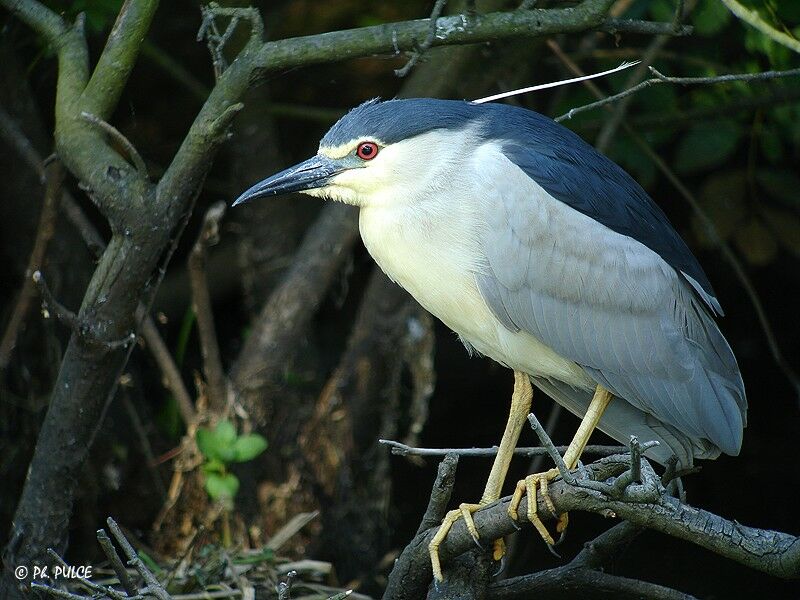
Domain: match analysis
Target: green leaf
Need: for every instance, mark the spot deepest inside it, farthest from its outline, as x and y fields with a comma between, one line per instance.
x=707, y=145
x=222, y=487
x=247, y=447
x=710, y=17
x=206, y=443
x=213, y=466
x=217, y=443
x=225, y=432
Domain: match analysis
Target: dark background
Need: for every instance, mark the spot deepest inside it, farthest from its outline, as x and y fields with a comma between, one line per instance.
x=741, y=163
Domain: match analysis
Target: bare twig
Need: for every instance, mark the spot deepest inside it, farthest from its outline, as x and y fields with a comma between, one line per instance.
x=118, y=137
x=116, y=562
x=201, y=302
x=405, y=450
x=81, y=327
x=660, y=78
x=44, y=233
x=170, y=374
x=438, y=7
x=215, y=40
x=153, y=585
x=51, y=305
x=551, y=449
x=208, y=595
x=612, y=25
x=56, y=592
x=752, y=18
x=106, y=591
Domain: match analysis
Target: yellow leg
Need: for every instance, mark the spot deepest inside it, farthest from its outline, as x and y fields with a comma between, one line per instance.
x=520, y=407
x=530, y=484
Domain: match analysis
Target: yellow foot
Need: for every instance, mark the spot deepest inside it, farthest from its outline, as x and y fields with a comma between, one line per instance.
x=530, y=486
x=464, y=511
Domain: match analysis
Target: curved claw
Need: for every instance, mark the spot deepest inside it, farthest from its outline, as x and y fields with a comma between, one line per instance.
x=464, y=511
x=552, y=549
x=502, y=560
x=529, y=486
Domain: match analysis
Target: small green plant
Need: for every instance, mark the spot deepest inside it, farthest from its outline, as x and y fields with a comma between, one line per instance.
x=221, y=447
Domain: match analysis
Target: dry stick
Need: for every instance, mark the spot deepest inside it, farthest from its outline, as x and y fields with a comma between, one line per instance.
x=724, y=248
x=172, y=378
x=54, y=175
x=116, y=562
x=106, y=591
x=661, y=78
x=438, y=7
x=404, y=450
x=56, y=592
x=155, y=588
x=201, y=303
x=116, y=134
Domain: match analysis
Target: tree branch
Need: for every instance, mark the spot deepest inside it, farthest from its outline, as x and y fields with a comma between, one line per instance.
x=565, y=583
x=201, y=302
x=401, y=449
x=752, y=18
x=103, y=90
x=771, y=552
x=393, y=38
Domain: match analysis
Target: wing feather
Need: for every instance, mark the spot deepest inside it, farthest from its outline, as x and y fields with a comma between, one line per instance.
x=613, y=306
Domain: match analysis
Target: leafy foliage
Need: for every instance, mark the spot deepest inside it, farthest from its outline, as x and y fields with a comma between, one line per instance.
x=220, y=447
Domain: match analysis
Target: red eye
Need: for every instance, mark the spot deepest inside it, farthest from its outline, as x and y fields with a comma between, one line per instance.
x=367, y=150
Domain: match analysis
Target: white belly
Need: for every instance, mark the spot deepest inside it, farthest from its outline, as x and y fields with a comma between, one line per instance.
x=436, y=270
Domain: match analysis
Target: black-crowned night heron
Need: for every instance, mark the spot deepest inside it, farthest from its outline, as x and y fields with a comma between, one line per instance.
x=546, y=256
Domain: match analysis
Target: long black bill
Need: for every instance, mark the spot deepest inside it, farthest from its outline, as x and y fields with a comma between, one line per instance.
x=312, y=173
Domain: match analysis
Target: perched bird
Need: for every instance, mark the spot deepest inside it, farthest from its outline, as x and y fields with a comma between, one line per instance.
x=546, y=256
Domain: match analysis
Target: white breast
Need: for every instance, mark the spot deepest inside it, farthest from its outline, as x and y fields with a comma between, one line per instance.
x=434, y=257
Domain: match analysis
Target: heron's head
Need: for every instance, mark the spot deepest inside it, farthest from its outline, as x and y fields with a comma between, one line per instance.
x=382, y=152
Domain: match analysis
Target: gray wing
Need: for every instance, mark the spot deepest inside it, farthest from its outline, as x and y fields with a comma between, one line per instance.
x=611, y=305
